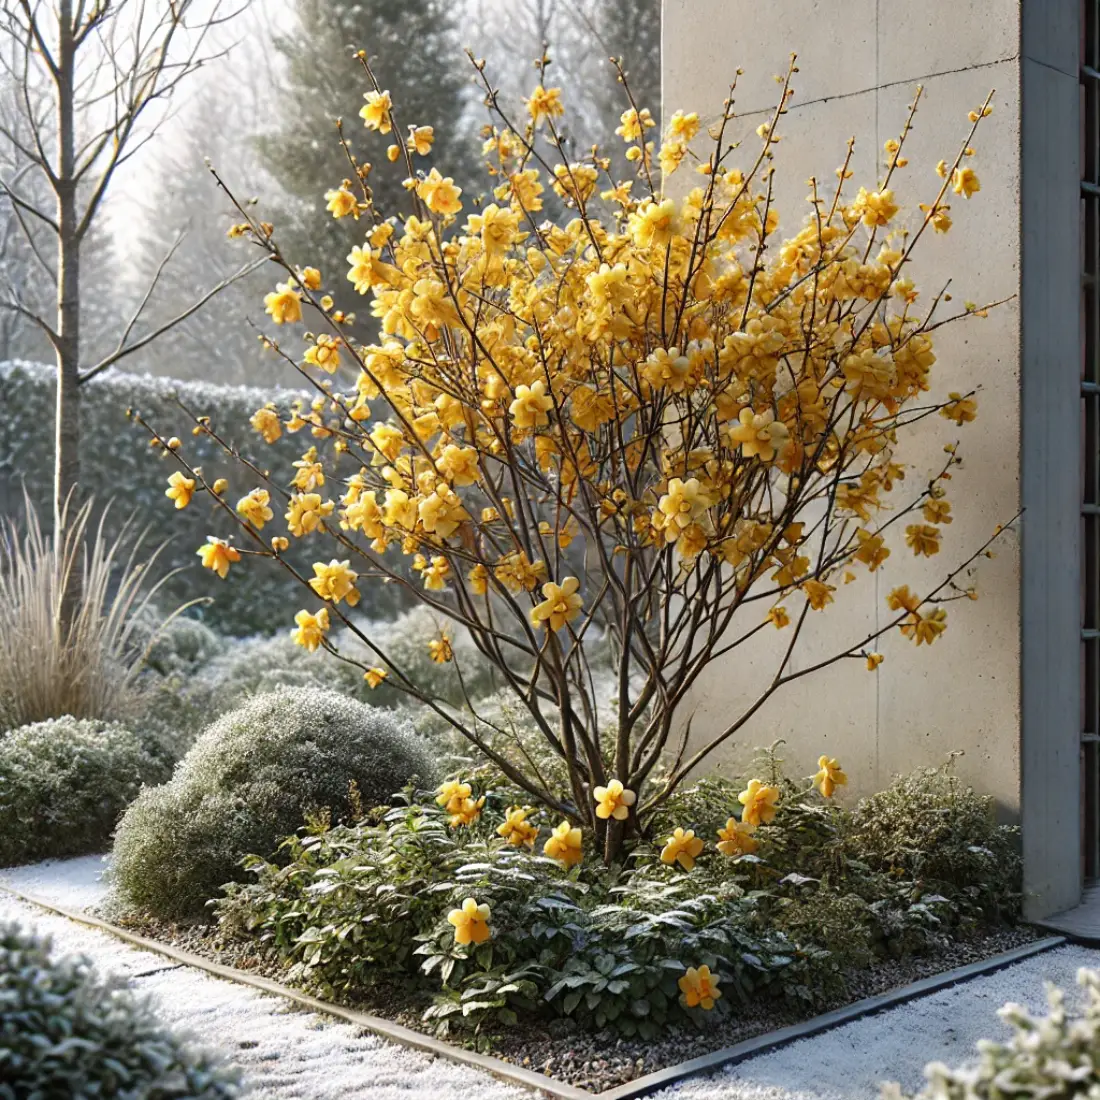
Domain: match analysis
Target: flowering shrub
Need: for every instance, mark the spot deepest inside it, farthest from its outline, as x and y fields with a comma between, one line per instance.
x=251, y=779
x=114, y=457
x=66, y=1032
x=654, y=418
x=1051, y=1056
x=498, y=909
x=64, y=784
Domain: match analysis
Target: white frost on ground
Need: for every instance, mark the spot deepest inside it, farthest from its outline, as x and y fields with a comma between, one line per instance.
x=850, y=1062
x=292, y=1055
x=285, y=1053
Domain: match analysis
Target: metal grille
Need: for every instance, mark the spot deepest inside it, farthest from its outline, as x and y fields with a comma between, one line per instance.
x=1090, y=434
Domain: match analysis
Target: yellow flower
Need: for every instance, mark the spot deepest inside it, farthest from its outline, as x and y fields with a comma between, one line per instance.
x=901, y=597
x=779, y=617
x=305, y=512
x=325, y=354
x=964, y=181
x=471, y=922
x=545, y=103
x=311, y=278
x=266, y=421
x=375, y=676
x=566, y=845
x=254, y=508
x=633, y=124
x=435, y=575
x=960, y=409
x=459, y=465
x=700, y=988
x=466, y=812
x=653, y=225
x=678, y=509
x=180, y=489
x=219, y=486
x=561, y=604
x=874, y=660
x=341, y=203
x=938, y=216
x=614, y=800
x=760, y=435
x=874, y=208
x=682, y=847
x=925, y=629
x=937, y=510
x=335, y=582
x=420, y=139
x=478, y=578
x=439, y=193
x=217, y=555
x=923, y=539
x=452, y=793
x=516, y=829
x=279, y=544
x=441, y=650
x=683, y=127
x=736, y=838
x=531, y=405
x=818, y=594
x=666, y=367
x=872, y=551
x=375, y=113
x=311, y=629
x=829, y=776
x=284, y=304
x=759, y=802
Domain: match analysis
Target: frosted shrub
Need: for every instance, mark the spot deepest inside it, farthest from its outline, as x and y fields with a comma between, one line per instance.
x=64, y=784
x=248, y=782
x=64, y=1032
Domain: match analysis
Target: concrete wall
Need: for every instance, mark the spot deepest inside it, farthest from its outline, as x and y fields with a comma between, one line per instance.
x=860, y=61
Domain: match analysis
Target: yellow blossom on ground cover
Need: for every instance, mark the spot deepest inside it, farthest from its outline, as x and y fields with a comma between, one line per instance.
x=566, y=844
x=516, y=829
x=613, y=801
x=829, y=776
x=673, y=405
x=699, y=988
x=736, y=838
x=682, y=847
x=471, y=922
x=758, y=800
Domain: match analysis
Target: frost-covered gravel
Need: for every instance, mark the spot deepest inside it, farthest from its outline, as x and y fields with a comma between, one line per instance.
x=288, y=1054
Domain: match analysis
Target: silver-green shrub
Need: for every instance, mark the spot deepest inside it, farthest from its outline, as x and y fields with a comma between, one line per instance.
x=64, y=1032
x=249, y=781
x=64, y=784
x=1047, y=1058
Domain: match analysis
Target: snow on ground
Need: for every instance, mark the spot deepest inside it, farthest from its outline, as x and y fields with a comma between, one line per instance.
x=292, y=1055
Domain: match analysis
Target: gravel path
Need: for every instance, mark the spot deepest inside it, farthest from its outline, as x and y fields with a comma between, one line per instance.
x=285, y=1053
x=288, y=1054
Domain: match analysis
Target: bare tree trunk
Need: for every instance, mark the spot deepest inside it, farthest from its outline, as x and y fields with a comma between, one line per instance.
x=67, y=419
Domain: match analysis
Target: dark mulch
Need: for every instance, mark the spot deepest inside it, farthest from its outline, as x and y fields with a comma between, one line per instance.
x=598, y=1060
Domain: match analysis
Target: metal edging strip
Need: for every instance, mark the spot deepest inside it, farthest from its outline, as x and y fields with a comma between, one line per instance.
x=538, y=1082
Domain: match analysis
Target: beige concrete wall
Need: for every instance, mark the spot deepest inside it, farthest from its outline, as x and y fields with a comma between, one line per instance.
x=859, y=62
